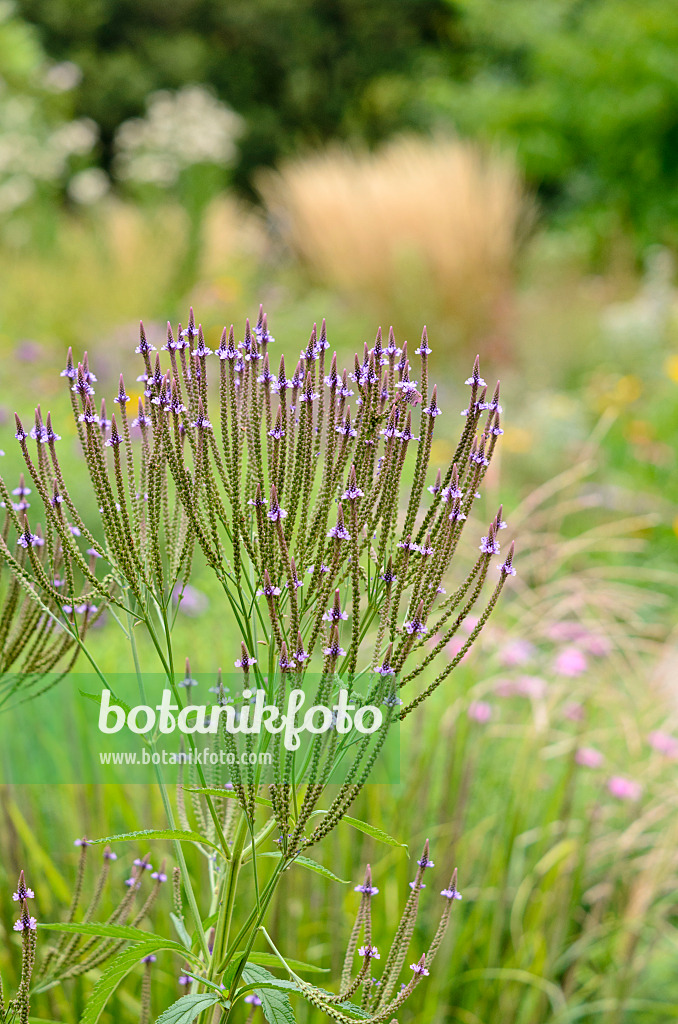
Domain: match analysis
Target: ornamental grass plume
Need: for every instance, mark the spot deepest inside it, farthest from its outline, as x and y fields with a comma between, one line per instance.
x=439, y=219
x=304, y=487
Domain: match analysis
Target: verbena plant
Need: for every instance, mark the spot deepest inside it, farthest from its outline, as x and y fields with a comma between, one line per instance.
x=307, y=496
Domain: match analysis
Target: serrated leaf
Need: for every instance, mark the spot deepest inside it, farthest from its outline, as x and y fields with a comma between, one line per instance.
x=96, y=698
x=183, y=835
x=376, y=833
x=180, y=929
x=312, y=865
x=271, y=960
x=119, y=969
x=108, y=931
x=229, y=794
x=187, y=1008
x=275, y=1005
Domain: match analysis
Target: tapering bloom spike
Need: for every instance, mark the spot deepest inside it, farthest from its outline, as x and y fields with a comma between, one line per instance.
x=244, y=661
x=335, y=614
x=144, y=346
x=475, y=380
x=352, y=492
x=122, y=398
x=22, y=891
x=385, y=668
x=424, y=346
x=507, y=568
x=367, y=889
x=334, y=648
x=451, y=892
x=115, y=439
x=416, y=624
x=275, y=512
x=339, y=532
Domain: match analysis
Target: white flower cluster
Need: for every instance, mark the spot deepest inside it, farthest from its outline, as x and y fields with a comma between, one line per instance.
x=180, y=129
x=33, y=150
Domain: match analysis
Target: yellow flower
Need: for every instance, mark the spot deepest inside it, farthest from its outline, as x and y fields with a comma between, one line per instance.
x=517, y=439
x=671, y=368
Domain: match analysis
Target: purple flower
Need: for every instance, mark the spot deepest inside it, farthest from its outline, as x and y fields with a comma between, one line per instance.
x=425, y=862
x=413, y=885
x=419, y=969
x=489, y=546
x=517, y=652
x=335, y=614
x=334, y=650
x=300, y=655
x=353, y=492
x=589, y=757
x=451, y=893
x=367, y=890
x=122, y=398
x=252, y=998
x=202, y=423
x=159, y=876
x=109, y=855
x=369, y=952
x=245, y=661
x=150, y=959
x=185, y=980
x=664, y=743
x=480, y=711
x=142, y=863
x=415, y=626
x=275, y=513
x=28, y=539
x=115, y=439
x=475, y=380
x=571, y=662
x=25, y=923
x=623, y=788
x=23, y=892
x=345, y=428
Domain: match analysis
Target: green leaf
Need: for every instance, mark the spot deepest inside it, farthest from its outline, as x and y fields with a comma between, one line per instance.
x=376, y=833
x=180, y=929
x=229, y=794
x=117, y=970
x=312, y=865
x=110, y=931
x=275, y=1005
x=96, y=698
x=187, y=1008
x=183, y=835
x=271, y=960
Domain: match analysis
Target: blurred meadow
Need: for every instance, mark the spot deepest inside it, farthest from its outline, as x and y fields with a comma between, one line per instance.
x=506, y=174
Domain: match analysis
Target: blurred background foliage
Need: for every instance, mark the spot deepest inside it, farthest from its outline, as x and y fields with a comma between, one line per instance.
x=506, y=172
x=584, y=91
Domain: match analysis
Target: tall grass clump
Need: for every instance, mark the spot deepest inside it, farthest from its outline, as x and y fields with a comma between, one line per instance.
x=310, y=496
x=421, y=220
